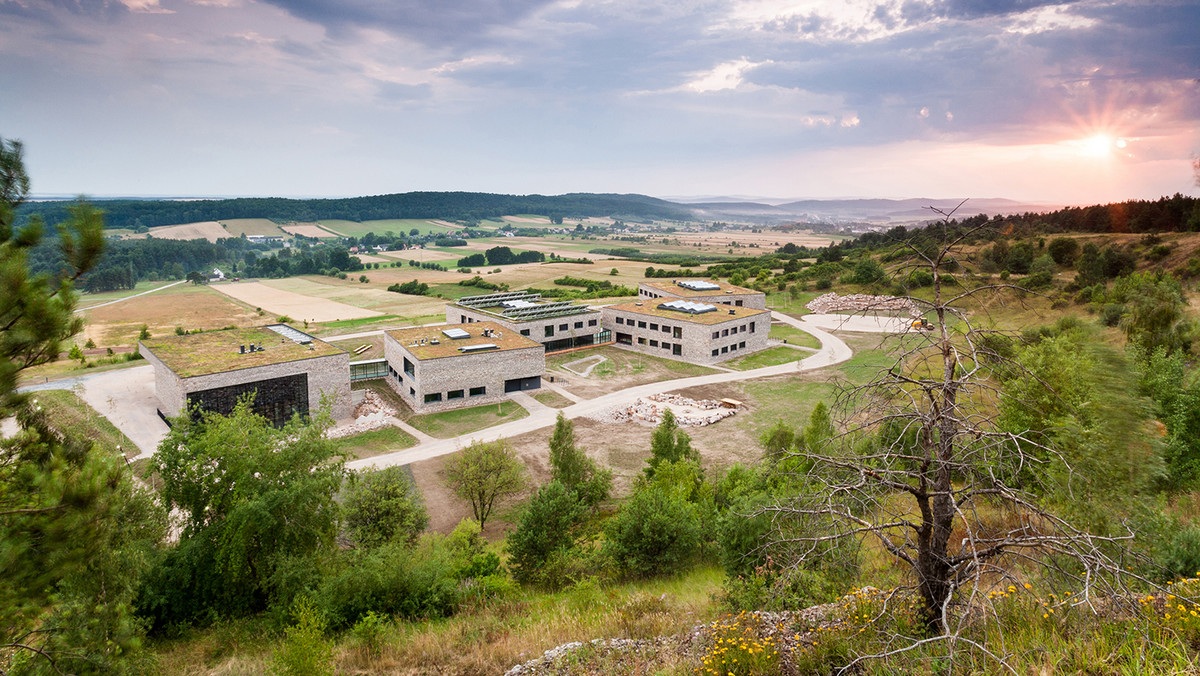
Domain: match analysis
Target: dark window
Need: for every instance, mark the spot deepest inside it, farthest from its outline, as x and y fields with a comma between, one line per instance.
x=666, y=346
x=654, y=343
x=624, y=339
x=666, y=329
x=579, y=325
x=641, y=325
x=518, y=384
x=641, y=341
x=476, y=391
x=591, y=322
x=737, y=303
x=563, y=327
x=408, y=366
x=653, y=327
x=677, y=349
x=454, y=394
x=725, y=333
x=549, y=331
x=751, y=327
x=677, y=332
x=620, y=320
x=716, y=334
x=430, y=398
x=412, y=392
x=724, y=350
x=276, y=399
x=524, y=332
x=714, y=351
x=742, y=344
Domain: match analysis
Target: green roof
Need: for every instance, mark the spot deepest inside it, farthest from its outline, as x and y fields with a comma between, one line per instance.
x=501, y=336
x=671, y=288
x=202, y=354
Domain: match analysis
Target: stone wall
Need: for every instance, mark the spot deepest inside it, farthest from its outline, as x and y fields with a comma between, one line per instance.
x=327, y=376
x=458, y=373
x=734, y=338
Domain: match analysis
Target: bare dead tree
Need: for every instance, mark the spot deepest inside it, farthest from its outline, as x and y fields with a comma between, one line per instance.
x=923, y=468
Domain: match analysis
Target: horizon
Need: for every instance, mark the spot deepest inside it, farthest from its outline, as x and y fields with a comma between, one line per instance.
x=1086, y=102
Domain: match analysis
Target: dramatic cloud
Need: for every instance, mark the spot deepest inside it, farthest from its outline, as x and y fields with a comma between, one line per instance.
x=784, y=97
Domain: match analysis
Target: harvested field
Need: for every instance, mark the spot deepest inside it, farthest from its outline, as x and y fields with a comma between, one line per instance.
x=210, y=230
x=299, y=307
x=447, y=224
x=422, y=255
x=371, y=258
x=308, y=230
x=539, y=220
x=187, y=306
x=236, y=227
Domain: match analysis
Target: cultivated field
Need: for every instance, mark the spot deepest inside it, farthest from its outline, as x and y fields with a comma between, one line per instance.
x=294, y=305
x=210, y=230
x=307, y=230
x=236, y=227
x=186, y=306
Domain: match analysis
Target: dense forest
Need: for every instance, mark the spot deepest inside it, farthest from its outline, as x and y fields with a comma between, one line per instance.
x=468, y=206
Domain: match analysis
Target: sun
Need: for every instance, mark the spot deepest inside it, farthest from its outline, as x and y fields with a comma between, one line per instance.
x=1098, y=145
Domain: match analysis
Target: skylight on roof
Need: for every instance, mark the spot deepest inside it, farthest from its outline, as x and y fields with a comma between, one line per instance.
x=291, y=334
x=698, y=285
x=478, y=348
x=687, y=307
x=517, y=304
x=455, y=334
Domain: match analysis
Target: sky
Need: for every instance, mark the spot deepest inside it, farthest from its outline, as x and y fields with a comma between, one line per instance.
x=1070, y=103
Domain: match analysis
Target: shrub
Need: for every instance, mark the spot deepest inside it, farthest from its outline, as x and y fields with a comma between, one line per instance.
x=392, y=580
x=384, y=506
x=305, y=650
x=368, y=632
x=657, y=532
x=544, y=527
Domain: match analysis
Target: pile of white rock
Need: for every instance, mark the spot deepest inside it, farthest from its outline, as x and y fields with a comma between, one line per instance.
x=688, y=412
x=860, y=302
x=372, y=413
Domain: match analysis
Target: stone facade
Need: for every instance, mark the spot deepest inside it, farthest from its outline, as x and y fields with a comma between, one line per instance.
x=727, y=294
x=551, y=332
x=454, y=380
x=327, y=376
x=699, y=339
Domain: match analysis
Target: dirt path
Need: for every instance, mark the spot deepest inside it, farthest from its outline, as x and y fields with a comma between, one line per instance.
x=160, y=288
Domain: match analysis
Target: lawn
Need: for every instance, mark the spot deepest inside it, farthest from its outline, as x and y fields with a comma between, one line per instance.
x=785, y=302
x=375, y=442
x=624, y=362
x=87, y=300
x=253, y=226
x=783, y=399
x=399, y=226
x=71, y=415
x=769, y=357
x=450, y=424
x=794, y=336
x=552, y=399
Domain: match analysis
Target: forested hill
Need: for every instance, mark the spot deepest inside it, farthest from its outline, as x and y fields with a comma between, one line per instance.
x=1166, y=214
x=448, y=205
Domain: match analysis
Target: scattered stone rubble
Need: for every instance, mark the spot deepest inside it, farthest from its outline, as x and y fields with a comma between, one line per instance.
x=860, y=302
x=779, y=625
x=688, y=412
x=371, y=414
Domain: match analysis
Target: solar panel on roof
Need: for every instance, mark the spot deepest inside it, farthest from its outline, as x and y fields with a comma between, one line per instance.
x=455, y=334
x=687, y=307
x=517, y=304
x=698, y=285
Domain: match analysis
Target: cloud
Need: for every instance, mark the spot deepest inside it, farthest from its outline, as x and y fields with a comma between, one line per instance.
x=724, y=76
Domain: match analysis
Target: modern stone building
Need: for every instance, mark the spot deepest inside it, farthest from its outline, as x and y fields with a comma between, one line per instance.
x=464, y=364
x=703, y=291
x=556, y=325
x=699, y=333
x=288, y=370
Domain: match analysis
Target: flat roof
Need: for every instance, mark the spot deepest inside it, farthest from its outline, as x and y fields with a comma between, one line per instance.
x=502, y=337
x=535, y=311
x=202, y=354
x=650, y=309
x=670, y=287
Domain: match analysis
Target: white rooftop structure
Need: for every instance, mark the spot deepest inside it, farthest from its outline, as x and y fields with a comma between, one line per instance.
x=688, y=306
x=698, y=285
x=455, y=334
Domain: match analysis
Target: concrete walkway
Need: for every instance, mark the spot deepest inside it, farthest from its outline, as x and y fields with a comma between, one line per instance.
x=833, y=351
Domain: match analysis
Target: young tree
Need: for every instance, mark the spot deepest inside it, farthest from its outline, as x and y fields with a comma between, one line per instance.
x=484, y=473
x=254, y=496
x=573, y=469
x=922, y=462
x=668, y=443
x=383, y=506
x=545, y=526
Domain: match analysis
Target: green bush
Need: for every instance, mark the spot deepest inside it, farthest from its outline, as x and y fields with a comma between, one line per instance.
x=657, y=532
x=824, y=284
x=544, y=527
x=383, y=506
x=392, y=580
x=305, y=650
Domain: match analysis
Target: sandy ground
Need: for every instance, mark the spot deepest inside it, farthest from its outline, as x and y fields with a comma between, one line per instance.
x=210, y=230
x=294, y=305
x=422, y=255
x=307, y=230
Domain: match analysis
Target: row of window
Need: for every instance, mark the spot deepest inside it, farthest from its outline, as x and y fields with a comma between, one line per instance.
x=724, y=333
x=729, y=348
x=676, y=349
x=675, y=331
x=453, y=394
